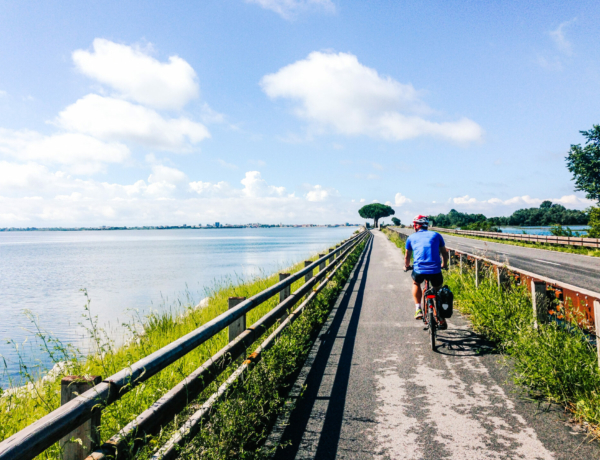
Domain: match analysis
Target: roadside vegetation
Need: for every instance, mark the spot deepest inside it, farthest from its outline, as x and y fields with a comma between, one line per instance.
x=21, y=407
x=556, y=362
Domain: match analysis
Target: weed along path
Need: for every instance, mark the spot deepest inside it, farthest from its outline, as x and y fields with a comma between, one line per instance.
x=375, y=390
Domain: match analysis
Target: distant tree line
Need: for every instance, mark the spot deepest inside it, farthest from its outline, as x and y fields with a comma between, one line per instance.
x=547, y=214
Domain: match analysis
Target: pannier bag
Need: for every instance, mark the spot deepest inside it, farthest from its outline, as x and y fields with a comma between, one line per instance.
x=445, y=299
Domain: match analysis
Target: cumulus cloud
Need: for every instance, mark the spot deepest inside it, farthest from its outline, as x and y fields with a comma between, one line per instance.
x=113, y=119
x=336, y=92
x=137, y=76
x=400, y=199
x=82, y=154
x=166, y=197
x=287, y=9
x=320, y=193
x=525, y=201
x=255, y=186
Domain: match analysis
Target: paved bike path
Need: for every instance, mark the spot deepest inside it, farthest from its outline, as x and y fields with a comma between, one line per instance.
x=373, y=389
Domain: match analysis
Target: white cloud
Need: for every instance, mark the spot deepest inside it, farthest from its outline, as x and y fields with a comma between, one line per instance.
x=81, y=153
x=137, y=76
x=517, y=202
x=287, y=9
x=256, y=186
x=227, y=165
x=117, y=120
x=335, y=91
x=400, y=199
x=2, y=93
x=167, y=197
x=362, y=200
x=320, y=193
x=559, y=38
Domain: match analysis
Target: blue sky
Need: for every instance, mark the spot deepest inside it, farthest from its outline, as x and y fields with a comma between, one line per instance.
x=294, y=111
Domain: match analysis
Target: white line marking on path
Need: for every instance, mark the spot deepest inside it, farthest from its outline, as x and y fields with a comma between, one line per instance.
x=546, y=262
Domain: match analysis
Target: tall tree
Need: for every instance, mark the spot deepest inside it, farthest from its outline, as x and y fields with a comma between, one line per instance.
x=396, y=221
x=584, y=164
x=375, y=211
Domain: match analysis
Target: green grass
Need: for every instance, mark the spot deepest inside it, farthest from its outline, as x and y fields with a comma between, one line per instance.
x=395, y=238
x=554, y=362
x=150, y=333
x=240, y=424
x=528, y=244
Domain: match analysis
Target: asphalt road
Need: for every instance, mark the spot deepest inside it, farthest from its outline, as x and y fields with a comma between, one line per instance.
x=373, y=389
x=578, y=270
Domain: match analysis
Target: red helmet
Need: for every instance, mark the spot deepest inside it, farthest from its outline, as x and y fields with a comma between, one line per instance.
x=421, y=220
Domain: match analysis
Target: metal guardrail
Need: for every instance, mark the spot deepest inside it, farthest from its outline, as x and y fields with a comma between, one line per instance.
x=43, y=433
x=550, y=239
x=574, y=303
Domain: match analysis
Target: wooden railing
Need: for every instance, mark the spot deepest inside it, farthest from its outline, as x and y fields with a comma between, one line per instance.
x=43, y=433
x=550, y=239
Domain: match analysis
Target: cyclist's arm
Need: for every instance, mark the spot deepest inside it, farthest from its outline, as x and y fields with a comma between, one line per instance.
x=407, y=256
x=444, y=254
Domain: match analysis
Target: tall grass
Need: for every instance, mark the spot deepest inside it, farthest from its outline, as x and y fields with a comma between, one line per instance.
x=20, y=408
x=555, y=362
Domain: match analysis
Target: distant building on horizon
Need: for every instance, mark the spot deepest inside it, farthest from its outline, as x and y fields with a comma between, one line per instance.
x=217, y=224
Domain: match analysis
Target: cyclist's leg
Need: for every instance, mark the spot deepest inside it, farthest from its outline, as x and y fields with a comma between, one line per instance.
x=417, y=293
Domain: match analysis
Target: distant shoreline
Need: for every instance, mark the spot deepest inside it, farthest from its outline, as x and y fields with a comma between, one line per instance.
x=167, y=227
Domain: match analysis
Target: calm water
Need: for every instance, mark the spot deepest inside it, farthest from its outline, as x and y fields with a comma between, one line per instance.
x=124, y=271
x=582, y=229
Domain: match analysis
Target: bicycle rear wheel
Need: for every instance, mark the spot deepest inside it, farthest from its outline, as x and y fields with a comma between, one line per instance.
x=432, y=327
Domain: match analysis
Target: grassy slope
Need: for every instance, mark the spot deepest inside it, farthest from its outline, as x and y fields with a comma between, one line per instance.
x=159, y=329
x=551, y=362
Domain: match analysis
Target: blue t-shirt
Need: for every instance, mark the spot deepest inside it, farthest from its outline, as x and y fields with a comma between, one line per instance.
x=425, y=246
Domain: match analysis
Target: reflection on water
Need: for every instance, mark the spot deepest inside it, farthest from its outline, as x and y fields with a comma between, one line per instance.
x=43, y=272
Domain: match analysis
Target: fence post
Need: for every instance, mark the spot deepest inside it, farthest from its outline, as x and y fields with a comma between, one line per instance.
x=285, y=292
x=322, y=264
x=239, y=325
x=461, y=261
x=309, y=275
x=597, y=326
x=450, y=255
x=539, y=301
x=87, y=434
x=477, y=272
x=329, y=260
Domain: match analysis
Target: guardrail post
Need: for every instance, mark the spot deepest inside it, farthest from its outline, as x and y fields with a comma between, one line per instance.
x=450, y=255
x=597, y=326
x=86, y=436
x=322, y=264
x=239, y=325
x=285, y=292
x=329, y=260
x=539, y=301
x=309, y=275
x=462, y=263
x=477, y=272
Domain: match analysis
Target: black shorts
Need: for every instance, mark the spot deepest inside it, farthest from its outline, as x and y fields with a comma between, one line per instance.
x=436, y=280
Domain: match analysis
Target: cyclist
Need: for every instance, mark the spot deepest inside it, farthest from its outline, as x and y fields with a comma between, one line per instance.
x=426, y=248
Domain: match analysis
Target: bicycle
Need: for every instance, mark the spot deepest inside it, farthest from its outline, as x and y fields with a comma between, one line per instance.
x=429, y=308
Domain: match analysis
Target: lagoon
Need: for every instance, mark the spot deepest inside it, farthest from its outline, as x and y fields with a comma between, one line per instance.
x=128, y=272
x=582, y=229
